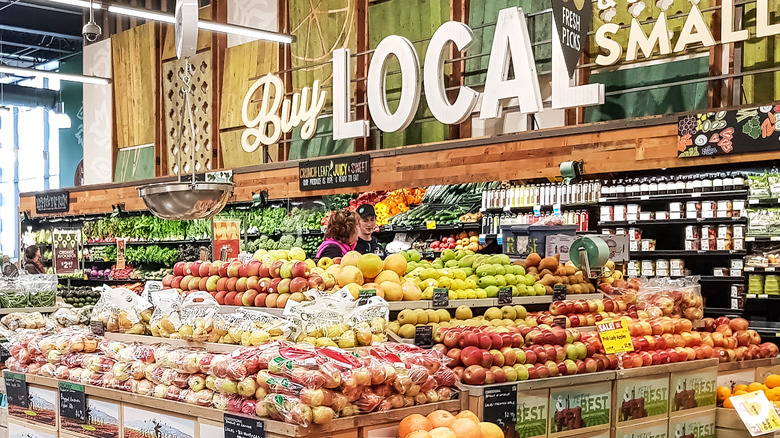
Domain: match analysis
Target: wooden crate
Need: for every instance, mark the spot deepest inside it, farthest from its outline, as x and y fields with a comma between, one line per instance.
x=732, y=373
x=19, y=428
x=104, y=420
x=648, y=429
x=43, y=407
x=695, y=425
x=139, y=419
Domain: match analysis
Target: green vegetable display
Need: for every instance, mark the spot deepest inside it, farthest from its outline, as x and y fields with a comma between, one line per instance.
x=80, y=296
x=151, y=254
x=12, y=294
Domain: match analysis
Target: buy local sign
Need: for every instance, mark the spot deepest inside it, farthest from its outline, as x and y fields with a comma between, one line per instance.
x=511, y=48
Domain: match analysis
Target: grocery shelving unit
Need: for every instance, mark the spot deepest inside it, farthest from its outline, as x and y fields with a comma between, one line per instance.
x=7, y=310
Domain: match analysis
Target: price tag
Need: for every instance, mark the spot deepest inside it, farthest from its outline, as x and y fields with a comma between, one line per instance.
x=615, y=336
x=364, y=295
x=121, y=244
x=753, y=201
x=763, y=295
x=441, y=297
x=16, y=389
x=749, y=269
x=750, y=239
x=602, y=199
x=431, y=225
x=696, y=195
x=734, y=304
x=775, y=238
x=97, y=328
x=73, y=402
x=560, y=321
x=757, y=412
x=769, y=269
x=559, y=292
x=505, y=295
x=631, y=222
x=556, y=209
x=481, y=239
x=749, y=296
x=537, y=210
x=500, y=239
x=644, y=198
x=237, y=426
x=423, y=336
x=500, y=406
x=507, y=208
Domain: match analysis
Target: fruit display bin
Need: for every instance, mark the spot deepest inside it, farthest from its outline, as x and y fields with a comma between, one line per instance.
x=357, y=426
x=756, y=370
x=651, y=398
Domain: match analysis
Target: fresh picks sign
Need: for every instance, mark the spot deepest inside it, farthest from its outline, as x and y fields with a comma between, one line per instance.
x=511, y=48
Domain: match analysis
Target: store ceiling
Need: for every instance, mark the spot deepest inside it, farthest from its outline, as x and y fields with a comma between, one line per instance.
x=33, y=33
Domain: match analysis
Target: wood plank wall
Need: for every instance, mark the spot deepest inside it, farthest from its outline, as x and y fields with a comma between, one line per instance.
x=603, y=151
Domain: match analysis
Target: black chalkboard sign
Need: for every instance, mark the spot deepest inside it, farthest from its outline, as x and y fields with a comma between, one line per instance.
x=364, y=295
x=559, y=321
x=97, y=327
x=505, y=295
x=16, y=389
x=57, y=201
x=423, y=336
x=349, y=171
x=500, y=406
x=237, y=426
x=559, y=292
x=73, y=402
x=441, y=297
x=732, y=132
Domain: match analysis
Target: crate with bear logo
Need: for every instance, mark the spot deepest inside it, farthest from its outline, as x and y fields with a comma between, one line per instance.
x=647, y=429
x=581, y=409
x=693, y=425
x=641, y=399
x=692, y=390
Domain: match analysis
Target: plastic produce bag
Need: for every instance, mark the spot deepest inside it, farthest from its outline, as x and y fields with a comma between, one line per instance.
x=198, y=312
x=166, y=318
x=672, y=297
x=41, y=289
x=12, y=293
x=121, y=310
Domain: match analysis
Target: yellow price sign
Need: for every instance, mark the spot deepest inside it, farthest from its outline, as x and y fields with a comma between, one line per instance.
x=615, y=336
x=431, y=225
x=757, y=412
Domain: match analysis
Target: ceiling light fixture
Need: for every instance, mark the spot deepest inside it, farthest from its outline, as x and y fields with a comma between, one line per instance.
x=212, y=26
x=29, y=72
x=61, y=119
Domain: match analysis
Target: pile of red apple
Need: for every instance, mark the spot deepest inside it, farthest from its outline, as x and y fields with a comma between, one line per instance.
x=446, y=242
x=483, y=355
x=254, y=283
x=579, y=313
x=731, y=340
x=280, y=380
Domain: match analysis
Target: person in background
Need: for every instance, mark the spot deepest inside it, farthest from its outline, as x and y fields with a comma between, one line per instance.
x=366, y=242
x=32, y=260
x=340, y=236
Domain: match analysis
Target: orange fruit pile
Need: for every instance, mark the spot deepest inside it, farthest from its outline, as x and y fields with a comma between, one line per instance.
x=770, y=387
x=442, y=424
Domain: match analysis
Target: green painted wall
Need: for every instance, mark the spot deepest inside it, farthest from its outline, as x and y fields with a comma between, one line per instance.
x=760, y=54
x=321, y=144
x=133, y=164
x=71, y=140
x=415, y=20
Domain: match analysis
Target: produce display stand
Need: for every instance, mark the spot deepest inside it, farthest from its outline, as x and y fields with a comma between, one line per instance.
x=358, y=426
x=538, y=400
x=6, y=311
x=727, y=421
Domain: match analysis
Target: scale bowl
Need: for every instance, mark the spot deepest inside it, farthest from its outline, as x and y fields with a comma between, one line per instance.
x=185, y=200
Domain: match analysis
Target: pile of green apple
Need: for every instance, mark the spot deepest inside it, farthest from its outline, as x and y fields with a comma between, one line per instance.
x=469, y=276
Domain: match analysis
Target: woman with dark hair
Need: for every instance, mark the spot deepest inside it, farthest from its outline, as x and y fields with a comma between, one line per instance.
x=32, y=260
x=340, y=236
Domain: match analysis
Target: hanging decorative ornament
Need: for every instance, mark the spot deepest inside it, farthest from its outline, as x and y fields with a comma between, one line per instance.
x=186, y=200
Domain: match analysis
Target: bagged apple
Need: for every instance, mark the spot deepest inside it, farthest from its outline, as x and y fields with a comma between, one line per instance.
x=166, y=318
x=288, y=409
x=197, y=318
x=368, y=322
x=261, y=327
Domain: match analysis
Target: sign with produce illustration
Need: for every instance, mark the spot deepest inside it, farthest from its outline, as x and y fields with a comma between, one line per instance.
x=227, y=235
x=66, y=250
x=732, y=132
x=102, y=420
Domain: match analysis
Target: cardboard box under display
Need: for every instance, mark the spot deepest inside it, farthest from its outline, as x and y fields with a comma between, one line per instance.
x=103, y=420
x=580, y=409
x=692, y=391
x=648, y=429
x=696, y=425
x=641, y=399
x=43, y=407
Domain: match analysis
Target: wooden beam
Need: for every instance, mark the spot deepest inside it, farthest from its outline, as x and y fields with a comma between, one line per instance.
x=361, y=67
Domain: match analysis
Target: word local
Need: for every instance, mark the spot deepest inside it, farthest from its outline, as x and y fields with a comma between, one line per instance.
x=511, y=48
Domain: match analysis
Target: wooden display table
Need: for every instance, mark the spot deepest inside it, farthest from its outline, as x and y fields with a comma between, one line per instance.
x=204, y=421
